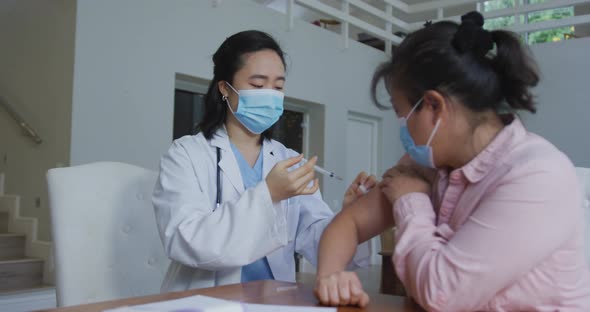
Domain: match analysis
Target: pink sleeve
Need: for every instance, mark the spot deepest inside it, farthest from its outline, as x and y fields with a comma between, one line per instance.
x=513, y=228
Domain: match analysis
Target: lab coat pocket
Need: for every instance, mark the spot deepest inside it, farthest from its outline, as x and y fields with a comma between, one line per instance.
x=292, y=217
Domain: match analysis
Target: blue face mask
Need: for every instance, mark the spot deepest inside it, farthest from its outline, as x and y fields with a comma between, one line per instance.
x=422, y=154
x=258, y=109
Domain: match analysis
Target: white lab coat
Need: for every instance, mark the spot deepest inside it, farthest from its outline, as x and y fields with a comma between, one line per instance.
x=208, y=247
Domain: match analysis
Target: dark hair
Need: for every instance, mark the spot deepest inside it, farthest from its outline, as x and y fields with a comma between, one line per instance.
x=458, y=60
x=227, y=60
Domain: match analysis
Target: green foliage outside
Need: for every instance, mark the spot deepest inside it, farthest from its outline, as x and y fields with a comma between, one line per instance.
x=549, y=35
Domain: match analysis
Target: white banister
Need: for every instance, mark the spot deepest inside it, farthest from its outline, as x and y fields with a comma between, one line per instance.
x=328, y=10
x=402, y=6
x=290, y=14
x=388, y=18
x=388, y=28
x=345, y=29
x=435, y=4
x=347, y=15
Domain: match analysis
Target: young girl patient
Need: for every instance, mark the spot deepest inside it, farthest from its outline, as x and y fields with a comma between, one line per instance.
x=488, y=215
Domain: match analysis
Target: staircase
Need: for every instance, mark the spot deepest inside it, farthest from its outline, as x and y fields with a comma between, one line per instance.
x=25, y=262
x=17, y=271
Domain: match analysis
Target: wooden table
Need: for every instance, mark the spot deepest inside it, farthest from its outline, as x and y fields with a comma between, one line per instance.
x=264, y=292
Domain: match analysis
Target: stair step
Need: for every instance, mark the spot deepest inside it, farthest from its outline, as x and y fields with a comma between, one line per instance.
x=20, y=273
x=4, y=222
x=19, y=291
x=12, y=246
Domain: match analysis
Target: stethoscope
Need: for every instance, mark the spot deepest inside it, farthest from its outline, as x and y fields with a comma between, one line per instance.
x=218, y=200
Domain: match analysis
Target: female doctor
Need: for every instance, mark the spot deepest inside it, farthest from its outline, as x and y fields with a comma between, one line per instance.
x=232, y=205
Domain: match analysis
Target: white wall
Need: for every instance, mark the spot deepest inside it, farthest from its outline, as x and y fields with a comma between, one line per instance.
x=36, y=73
x=127, y=54
x=564, y=106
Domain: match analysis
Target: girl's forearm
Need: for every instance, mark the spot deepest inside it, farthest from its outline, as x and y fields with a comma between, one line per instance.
x=366, y=217
x=337, y=245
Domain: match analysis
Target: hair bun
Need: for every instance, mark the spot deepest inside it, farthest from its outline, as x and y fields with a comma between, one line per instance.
x=471, y=37
x=473, y=17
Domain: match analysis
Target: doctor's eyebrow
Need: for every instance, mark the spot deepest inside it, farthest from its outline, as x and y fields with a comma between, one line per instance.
x=266, y=77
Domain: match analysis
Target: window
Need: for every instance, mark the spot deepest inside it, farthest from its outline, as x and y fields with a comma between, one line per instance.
x=289, y=130
x=555, y=34
x=549, y=35
x=188, y=111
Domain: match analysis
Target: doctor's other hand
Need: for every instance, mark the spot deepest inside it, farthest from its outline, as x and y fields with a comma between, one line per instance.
x=361, y=185
x=283, y=184
x=340, y=289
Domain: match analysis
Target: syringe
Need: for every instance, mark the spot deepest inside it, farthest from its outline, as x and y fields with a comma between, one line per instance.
x=323, y=171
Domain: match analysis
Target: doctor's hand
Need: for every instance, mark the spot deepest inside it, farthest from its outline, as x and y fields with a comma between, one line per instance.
x=340, y=289
x=283, y=184
x=355, y=190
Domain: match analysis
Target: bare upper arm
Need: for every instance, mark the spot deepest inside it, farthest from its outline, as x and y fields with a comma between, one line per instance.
x=371, y=214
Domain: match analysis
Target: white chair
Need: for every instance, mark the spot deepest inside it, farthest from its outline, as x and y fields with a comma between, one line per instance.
x=584, y=176
x=106, y=241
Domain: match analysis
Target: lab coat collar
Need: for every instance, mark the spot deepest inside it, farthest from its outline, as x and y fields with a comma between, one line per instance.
x=229, y=164
x=220, y=139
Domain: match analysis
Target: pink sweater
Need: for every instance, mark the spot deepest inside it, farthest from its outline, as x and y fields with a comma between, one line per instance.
x=503, y=233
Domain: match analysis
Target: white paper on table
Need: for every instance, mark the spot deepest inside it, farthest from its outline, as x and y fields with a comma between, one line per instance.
x=208, y=304
x=251, y=307
x=187, y=304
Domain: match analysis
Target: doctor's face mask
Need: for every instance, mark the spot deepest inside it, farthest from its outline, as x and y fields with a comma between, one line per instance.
x=255, y=94
x=258, y=109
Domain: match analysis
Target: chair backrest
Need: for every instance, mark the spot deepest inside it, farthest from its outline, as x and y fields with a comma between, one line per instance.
x=584, y=177
x=106, y=240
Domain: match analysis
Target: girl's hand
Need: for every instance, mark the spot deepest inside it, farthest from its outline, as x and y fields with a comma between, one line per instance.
x=401, y=180
x=340, y=289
